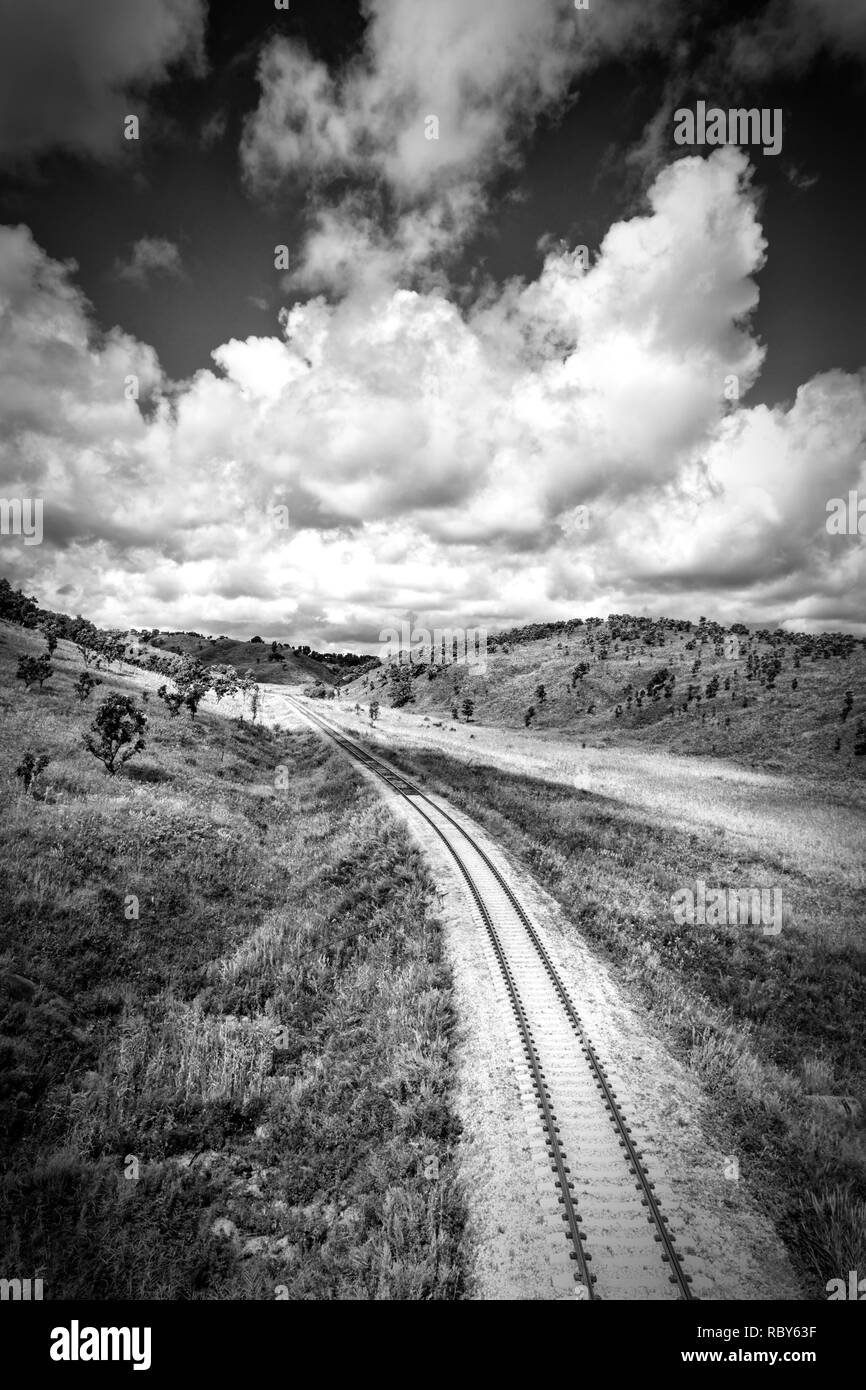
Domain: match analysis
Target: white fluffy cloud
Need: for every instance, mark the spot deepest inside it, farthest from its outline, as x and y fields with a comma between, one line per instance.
x=443, y=96
x=66, y=70
x=483, y=72
x=430, y=458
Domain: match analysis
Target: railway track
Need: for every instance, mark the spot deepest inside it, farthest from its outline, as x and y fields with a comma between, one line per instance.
x=618, y=1237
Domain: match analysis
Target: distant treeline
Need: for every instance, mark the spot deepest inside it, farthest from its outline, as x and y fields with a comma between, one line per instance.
x=652, y=632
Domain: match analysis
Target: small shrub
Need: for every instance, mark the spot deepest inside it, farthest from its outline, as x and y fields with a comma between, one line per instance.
x=172, y=699
x=85, y=684
x=30, y=768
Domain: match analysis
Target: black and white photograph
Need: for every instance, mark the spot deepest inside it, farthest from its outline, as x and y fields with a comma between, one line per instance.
x=432, y=671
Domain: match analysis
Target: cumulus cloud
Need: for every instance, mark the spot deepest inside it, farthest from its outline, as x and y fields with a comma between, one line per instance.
x=67, y=72
x=150, y=257
x=431, y=457
x=439, y=100
x=443, y=96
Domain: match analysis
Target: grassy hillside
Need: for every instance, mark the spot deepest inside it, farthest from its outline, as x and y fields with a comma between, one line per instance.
x=771, y=699
x=292, y=668
x=224, y=1015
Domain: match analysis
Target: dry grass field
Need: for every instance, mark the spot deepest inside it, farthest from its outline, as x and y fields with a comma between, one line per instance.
x=225, y=1019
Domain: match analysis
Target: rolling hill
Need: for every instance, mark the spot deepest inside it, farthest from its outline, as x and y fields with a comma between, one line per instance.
x=292, y=667
x=753, y=695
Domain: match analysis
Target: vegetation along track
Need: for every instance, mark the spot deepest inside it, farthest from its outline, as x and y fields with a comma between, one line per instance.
x=635, y=1254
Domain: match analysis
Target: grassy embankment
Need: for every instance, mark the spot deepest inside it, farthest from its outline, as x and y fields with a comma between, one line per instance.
x=266, y=1047
x=773, y=1025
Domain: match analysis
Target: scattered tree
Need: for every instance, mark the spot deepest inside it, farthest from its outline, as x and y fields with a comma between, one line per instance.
x=116, y=732
x=374, y=711
x=224, y=680
x=87, y=639
x=192, y=682
x=33, y=669
x=112, y=647
x=249, y=687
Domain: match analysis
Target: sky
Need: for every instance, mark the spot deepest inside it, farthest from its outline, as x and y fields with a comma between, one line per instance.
x=314, y=318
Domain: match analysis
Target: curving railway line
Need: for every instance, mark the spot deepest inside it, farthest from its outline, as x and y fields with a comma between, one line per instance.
x=617, y=1235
